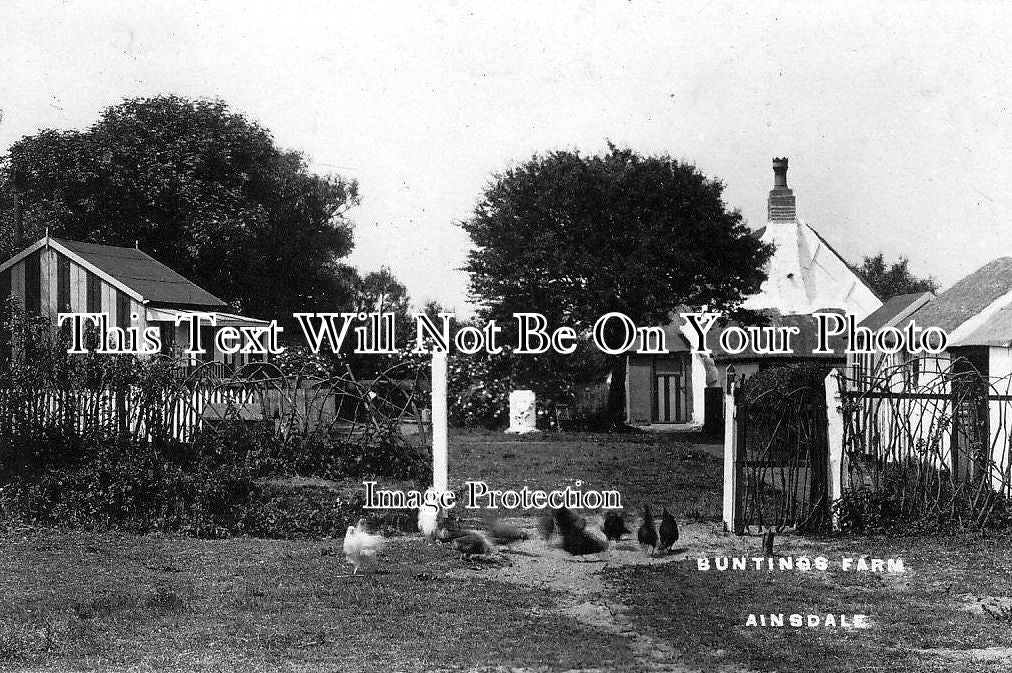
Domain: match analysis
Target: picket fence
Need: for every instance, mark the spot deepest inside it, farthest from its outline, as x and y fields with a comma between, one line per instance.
x=178, y=414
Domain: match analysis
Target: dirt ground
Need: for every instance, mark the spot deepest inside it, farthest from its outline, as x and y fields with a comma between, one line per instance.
x=588, y=598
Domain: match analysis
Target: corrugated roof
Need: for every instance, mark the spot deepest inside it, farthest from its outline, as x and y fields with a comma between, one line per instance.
x=144, y=274
x=894, y=308
x=968, y=297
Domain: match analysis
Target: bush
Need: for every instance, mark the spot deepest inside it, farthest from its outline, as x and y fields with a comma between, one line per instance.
x=215, y=487
x=135, y=487
x=913, y=500
x=806, y=380
x=95, y=447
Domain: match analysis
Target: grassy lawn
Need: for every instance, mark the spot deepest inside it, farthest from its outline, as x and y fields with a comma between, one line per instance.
x=111, y=602
x=661, y=469
x=928, y=618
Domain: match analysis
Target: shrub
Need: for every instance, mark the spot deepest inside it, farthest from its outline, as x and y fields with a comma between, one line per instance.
x=912, y=500
x=122, y=467
x=805, y=380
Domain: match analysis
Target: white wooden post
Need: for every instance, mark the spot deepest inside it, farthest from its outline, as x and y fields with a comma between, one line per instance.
x=440, y=439
x=730, y=459
x=834, y=429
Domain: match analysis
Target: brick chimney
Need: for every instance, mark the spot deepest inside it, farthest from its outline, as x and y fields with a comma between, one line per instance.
x=780, y=207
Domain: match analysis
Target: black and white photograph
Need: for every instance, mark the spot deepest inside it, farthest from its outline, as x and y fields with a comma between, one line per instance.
x=505, y=337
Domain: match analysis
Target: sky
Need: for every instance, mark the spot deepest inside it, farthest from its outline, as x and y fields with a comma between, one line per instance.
x=895, y=116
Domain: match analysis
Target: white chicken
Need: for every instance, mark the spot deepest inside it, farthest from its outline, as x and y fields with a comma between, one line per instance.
x=430, y=516
x=360, y=546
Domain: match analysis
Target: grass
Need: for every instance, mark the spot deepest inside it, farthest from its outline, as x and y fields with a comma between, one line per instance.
x=655, y=468
x=113, y=602
x=921, y=618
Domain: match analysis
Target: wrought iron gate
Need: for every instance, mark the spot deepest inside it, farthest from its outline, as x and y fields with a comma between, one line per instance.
x=782, y=455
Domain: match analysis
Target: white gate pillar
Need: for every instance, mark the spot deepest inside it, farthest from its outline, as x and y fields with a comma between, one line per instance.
x=834, y=430
x=730, y=510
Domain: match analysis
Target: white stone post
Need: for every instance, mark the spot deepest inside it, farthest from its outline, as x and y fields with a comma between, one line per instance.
x=523, y=412
x=440, y=437
x=834, y=430
x=730, y=459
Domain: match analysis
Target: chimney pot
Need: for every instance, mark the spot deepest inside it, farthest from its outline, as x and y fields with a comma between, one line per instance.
x=781, y=206
x=780, y=172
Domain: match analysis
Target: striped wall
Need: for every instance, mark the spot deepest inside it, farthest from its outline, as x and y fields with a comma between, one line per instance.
x=47, y=283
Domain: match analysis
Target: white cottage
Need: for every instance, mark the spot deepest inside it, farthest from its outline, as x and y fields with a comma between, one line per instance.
x=976, y=313
x=805, y=274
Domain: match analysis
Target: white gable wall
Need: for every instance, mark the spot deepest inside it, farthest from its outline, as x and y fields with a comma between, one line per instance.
x=806, y=275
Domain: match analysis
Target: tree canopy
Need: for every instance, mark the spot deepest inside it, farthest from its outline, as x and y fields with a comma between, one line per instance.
x=574, y=237
x=380, y=290
x=889, y=280
x=197, y=186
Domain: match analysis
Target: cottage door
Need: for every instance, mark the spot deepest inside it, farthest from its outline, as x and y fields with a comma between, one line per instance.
x=670, y=395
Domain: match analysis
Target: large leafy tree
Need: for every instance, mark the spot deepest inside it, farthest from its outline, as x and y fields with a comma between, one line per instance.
x=889, y=280
x=574, y=237
x=199, y=187
x=380, y=290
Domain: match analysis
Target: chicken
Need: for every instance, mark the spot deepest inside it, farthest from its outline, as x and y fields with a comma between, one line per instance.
x=668, y=532
x=565, y=519
x=447, y=534
x=647, y=534
x=429, y=518
x=576, y=539
x=360, y=546
x=546, y=525
x=614, y=526
x=580, y=542
x=472, y=543
x=505, y=533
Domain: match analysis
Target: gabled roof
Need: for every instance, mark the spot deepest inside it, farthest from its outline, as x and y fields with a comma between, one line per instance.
x=896, y=309
x=969, y=297
x=143, y=273
x=806, y=274
x=136, y=273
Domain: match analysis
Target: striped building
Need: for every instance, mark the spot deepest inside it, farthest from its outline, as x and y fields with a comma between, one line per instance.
x=54, y=276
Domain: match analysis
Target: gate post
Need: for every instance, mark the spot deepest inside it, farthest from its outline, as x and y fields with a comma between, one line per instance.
x=440, y=440
x=834, y=430
x=731, y=515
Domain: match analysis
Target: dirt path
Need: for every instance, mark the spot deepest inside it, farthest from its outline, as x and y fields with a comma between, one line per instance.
x=589, y=599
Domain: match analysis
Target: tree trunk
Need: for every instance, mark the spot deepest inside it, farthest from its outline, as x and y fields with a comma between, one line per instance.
x=616, y=392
